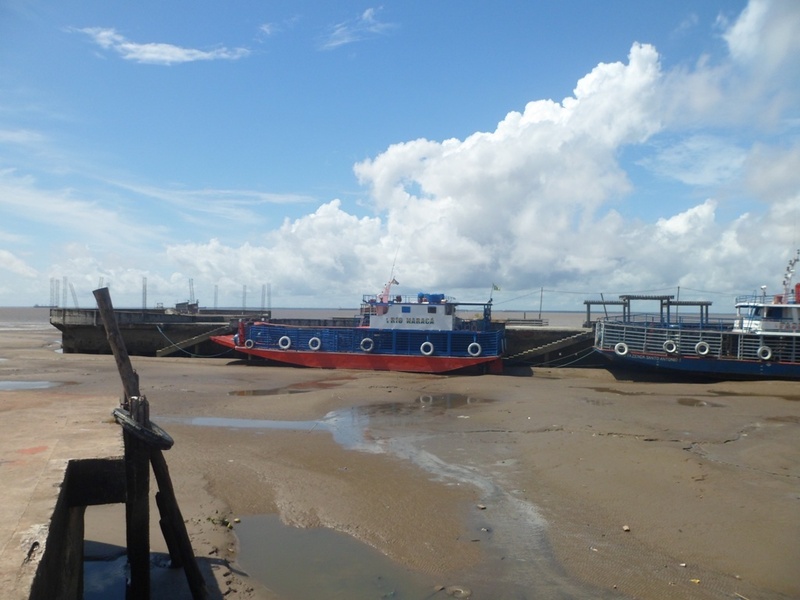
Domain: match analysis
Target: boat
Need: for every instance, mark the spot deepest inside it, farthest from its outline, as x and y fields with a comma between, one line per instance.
x=761, y=341
x=423, y=333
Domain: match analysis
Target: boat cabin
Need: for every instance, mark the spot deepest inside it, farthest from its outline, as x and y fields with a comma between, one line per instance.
x=435, y=312
x=754, y=314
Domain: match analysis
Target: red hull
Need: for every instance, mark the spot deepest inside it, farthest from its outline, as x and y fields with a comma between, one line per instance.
x=366, y=361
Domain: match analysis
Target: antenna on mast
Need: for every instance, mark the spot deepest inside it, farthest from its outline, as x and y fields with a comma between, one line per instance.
x=787, y=278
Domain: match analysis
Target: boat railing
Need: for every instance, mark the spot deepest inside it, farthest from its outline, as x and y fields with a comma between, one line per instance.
x=790, y=298
x=651, y=338
x=374, y=299
x=674, y=322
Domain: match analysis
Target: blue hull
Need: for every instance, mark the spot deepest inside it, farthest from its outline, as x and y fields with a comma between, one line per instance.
x=720, y=368
x=396, y=341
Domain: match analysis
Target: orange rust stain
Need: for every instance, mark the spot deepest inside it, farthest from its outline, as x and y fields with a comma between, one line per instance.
x=34, y=450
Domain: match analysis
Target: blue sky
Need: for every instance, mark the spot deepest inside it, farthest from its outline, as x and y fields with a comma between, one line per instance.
x=576, y=146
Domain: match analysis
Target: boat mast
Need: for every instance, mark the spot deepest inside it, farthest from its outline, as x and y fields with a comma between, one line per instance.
x=787, y=278
x=386, y=293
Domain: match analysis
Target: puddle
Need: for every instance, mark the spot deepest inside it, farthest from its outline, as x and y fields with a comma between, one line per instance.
x=318, y=562
x=786, y=419
x=698, y=402
x=296, y=388
x=265, y=392
x=618, y=392
x=104, y=579
x=8, y=386
x=746, y=395
x=314, y=563
x=348, y=426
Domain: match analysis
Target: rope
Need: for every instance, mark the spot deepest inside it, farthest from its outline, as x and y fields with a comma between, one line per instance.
x=586, y=352
x=581, y=354
x=192, y=354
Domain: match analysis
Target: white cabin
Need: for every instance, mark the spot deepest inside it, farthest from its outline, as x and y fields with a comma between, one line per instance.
x=433, y=312
x=754, y=316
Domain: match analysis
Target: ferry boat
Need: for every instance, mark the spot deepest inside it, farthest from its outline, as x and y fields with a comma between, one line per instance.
x=762, y=340
x=419, y=334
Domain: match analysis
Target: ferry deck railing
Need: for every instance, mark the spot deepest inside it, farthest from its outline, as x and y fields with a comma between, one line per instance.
x=715, y=339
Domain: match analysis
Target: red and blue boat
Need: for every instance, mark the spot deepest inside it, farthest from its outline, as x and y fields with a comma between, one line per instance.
x=425, y=333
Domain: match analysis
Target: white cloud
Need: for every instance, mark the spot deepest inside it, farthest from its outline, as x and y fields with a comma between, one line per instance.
x=157, y=53
x=529, y=204
x=765, y=35
x=513, y=199
x=13, y=264
x=700, y=160
x=23, y=137
x=694, y=221
x=365, y=26
x=538, y=201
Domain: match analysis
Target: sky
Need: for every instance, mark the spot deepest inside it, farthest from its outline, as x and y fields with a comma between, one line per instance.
x=302, y=153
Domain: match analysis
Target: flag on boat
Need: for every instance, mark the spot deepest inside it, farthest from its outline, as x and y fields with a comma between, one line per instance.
x=495, y=287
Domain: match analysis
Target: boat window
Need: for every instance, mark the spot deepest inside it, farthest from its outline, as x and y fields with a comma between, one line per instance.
x=406, y=309
x=774, y=312
x=431, y=310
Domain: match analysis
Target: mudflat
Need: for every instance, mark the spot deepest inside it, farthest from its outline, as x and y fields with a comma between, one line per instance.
x=560, y=483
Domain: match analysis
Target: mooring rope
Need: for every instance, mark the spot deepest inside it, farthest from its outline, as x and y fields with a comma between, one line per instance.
x=192, y=354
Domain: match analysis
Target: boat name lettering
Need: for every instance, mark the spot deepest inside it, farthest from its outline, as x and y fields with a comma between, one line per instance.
x=412, y=320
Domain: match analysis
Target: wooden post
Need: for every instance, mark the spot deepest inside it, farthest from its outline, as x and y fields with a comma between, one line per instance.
x=139, y=454
x=137, y=508
x=130, y=381
x=137, y=460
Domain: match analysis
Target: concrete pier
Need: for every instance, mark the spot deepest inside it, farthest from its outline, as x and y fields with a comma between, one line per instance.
x=58, y=456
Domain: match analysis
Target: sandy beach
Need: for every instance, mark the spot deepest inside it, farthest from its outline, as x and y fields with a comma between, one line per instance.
x=560, y=483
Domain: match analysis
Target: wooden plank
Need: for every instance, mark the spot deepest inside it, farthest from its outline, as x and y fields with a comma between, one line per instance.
x=173, y=518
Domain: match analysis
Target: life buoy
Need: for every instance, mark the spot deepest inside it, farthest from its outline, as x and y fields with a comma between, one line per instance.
x=702, y=348
x=621, y=349
x=367, y=344
x=426, y=348
x=764, y=353
x=285, y=343
x=474, y=349
x=315, y=343
x=249, y=344
x=670, y=347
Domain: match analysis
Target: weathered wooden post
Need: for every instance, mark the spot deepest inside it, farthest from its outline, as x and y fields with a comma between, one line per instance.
x=144, y=442
x=137, y=460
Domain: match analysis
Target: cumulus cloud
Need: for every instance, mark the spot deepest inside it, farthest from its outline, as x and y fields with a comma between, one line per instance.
x=156, y=53
x=542, y=199
x=511, y=199
x=533, y=202
x=328, y=249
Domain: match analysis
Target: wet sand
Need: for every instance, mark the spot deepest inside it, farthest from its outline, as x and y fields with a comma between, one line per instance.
x=564, y=484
